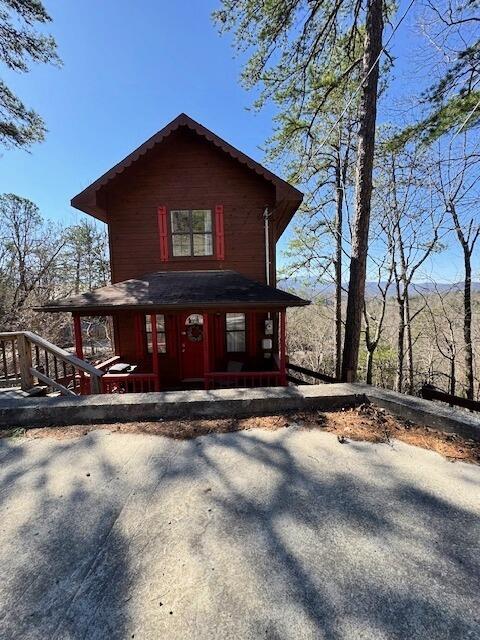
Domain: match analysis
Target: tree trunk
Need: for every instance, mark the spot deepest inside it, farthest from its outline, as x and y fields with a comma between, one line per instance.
x=400, y=345
x=369, y=372
x=409, y=350
x=363, y=188
x=467, y=324
x=338, y=267
x=467, y=299
x=77, y=274
x=452, y=385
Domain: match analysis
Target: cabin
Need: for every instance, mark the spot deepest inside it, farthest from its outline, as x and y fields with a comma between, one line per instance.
x=193, y=225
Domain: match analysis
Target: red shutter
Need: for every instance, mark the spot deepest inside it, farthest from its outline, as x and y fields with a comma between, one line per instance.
x=219, y=237
x=162, y=232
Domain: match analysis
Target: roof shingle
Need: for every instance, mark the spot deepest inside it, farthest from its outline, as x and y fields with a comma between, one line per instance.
x=171, y=290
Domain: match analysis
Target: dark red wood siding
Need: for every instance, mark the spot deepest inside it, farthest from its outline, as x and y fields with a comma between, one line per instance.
x=187, y=172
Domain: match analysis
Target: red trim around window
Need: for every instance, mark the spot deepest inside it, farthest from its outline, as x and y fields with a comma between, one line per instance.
x=163, y=233
x=219, y=236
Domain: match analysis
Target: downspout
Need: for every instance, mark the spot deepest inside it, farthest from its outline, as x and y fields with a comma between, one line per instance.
x=266, y=215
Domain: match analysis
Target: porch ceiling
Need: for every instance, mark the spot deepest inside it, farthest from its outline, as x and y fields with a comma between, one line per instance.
x=175, y=290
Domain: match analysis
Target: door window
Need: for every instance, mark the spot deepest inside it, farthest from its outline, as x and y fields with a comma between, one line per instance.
x=194, y=327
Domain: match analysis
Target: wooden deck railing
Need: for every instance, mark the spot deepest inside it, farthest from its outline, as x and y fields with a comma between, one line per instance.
x=316, y=375
x=9, y=364
x=129, y=382
x=26, y=357
x=429, y=392
x=227, y=379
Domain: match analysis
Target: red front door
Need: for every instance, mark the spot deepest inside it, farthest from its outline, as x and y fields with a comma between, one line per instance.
x=191, y=346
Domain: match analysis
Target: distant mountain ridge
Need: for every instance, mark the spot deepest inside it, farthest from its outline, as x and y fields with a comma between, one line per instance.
x=371, y=288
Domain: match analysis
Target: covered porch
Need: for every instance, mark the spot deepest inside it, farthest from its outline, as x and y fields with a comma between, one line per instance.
x=177, y=330
x=192, y=349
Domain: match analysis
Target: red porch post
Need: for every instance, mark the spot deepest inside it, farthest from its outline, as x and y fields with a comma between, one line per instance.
x=155, y=367
x=283, y=347
x=138, y=336
x=252, y=333
x=77, y=333
x=206, y=350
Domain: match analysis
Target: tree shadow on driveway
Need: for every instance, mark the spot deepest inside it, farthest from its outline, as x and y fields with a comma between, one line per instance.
x=345, y=556
x=244, y=535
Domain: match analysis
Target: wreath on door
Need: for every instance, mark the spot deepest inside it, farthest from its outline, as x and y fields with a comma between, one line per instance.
x=195, y=332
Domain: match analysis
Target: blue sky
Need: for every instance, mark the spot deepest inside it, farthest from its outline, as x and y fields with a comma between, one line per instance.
x=128, y=69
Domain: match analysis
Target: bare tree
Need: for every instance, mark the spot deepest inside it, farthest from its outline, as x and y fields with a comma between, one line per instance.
x=413, y=226
x=458, y=186
x=318, y=248
x=443, y=316
x=374, y=312
x=30, y=252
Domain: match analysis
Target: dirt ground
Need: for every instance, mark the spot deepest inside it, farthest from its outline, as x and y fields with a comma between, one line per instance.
x=366, y=422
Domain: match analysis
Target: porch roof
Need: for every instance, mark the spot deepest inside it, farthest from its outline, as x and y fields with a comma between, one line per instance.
x=172, y=290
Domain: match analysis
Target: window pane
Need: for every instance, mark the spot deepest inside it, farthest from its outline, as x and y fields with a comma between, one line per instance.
x=161, y=342
x=160, y=323
x=194, y=318
x=235, y=341
x=235, y=321
x=201, y=220
x=161, y=336
x=181, y=245
x=202, y=244
x=180, y=221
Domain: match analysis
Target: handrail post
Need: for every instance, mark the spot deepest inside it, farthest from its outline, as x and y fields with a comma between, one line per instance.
x=95, y=386
x=25, y=358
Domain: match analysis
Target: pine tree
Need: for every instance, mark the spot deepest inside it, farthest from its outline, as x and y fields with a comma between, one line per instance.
x=20, y=45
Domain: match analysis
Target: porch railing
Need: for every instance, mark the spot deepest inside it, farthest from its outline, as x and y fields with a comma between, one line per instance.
x=9, y=360
x=227, y=379
x=129, y=382
x=308, y=373
x=26, y=358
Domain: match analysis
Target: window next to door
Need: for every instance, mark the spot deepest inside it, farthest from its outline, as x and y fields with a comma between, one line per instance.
x=236, y=330
x=161, y=337
x=191, y=232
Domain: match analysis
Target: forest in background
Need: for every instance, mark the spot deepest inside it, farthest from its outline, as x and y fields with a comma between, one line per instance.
x=390, y=173
x=41, y=260
x=425, y=208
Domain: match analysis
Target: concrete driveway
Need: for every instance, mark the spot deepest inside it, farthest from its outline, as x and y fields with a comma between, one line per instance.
x=280, y=535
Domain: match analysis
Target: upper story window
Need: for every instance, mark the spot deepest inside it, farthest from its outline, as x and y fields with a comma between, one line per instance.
x=192, y=233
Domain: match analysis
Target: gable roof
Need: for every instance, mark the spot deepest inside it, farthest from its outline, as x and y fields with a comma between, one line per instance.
x=87, y=200
x=174, y=290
